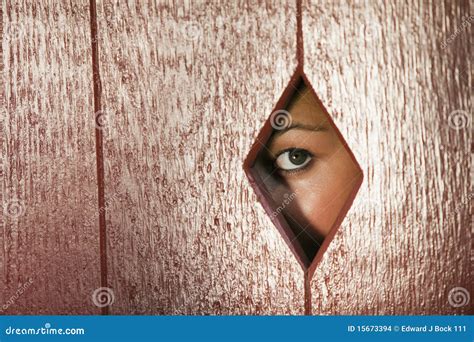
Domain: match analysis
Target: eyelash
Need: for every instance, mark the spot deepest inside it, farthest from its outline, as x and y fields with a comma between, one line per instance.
x=289, y=172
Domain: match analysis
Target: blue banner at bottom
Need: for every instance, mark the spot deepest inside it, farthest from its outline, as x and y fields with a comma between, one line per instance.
x=237, y=328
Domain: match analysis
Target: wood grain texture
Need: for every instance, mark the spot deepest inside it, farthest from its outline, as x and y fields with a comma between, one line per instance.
x=392, y=88
x=49, y=251
x=187, y=87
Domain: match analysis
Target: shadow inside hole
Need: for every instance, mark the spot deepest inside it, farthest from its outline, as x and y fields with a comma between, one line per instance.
x=304, y=173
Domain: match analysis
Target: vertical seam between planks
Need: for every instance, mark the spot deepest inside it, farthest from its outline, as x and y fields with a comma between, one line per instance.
x=97, y=87
x=307, y=293
x=300, y=64
x=299, y=35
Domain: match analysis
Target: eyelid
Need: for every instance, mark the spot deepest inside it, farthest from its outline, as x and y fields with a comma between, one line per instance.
x=291, y=149
x=296, y=170
x=320, y=131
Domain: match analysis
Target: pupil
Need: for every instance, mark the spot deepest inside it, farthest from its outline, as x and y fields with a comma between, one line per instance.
x=297, y=157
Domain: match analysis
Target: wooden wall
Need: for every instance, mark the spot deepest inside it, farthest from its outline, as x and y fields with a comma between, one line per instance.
x=186, y=86
x=48, y=232
x=400, y=99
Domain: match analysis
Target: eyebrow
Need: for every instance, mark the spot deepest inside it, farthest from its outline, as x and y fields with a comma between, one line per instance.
x=319, y=128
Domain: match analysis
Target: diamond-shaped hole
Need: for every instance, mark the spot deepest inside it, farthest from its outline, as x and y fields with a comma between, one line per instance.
x=303, y=172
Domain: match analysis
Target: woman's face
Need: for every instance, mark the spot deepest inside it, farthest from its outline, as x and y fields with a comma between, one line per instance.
x=311, y=174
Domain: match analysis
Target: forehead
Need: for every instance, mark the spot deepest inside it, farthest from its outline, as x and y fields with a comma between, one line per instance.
x=305, y=109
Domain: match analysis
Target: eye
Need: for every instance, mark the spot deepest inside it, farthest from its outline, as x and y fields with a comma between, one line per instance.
x=293, y=159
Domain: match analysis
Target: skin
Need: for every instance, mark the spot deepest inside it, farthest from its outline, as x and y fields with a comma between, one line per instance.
x=312, y=183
